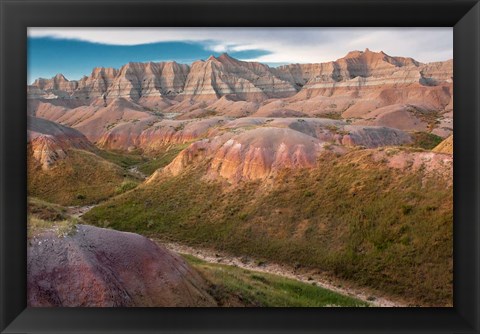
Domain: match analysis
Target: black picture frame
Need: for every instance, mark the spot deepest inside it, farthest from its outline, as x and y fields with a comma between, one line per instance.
x=17, y=15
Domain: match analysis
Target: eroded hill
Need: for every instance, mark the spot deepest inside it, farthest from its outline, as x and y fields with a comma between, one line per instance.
x=364, y=87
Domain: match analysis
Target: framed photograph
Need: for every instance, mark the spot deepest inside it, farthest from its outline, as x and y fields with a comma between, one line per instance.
x=239, y=166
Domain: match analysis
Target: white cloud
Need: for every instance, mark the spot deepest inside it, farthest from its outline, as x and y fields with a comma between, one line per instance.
x=286, y=45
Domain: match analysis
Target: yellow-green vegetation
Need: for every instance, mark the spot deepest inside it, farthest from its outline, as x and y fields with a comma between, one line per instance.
x=351, y=216
x=145, y=163
x=161, y=159
x=126, y=186
x=46, y=211
x=81, y=178
x=425, y=140
x=44, y=216
x=123, y=159
x=233, y=286
x=62, y=228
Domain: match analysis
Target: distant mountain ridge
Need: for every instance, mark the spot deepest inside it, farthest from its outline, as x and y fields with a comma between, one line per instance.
x=251, y=81
x=130, y=107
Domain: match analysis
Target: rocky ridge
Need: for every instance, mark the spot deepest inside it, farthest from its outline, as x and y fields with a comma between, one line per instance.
x=368, y=88
x=220, y=76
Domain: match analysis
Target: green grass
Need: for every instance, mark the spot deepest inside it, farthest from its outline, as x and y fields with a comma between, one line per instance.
x=161, y=159
x=62, y=228
x=122, y=159
x=233, y=286
x=126, y=186
x=145, y=164
x=425, y=140
x=229, y=285
x=45, y=210
x=85, y=177
x=79, y=179
x=351, y=216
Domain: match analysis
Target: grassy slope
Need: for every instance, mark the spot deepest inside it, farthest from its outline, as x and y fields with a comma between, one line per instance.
x=43, y=215
x=147, y=164
x=230, y=286
x=86, y=177
x=233, y=286
x=161, y=159
x=45, y=210
x=384, y=229
x=122, y=159
x=81, y=178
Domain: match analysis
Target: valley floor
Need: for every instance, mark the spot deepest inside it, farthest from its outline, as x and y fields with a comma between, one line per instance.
x=236, y=281
x=235, y=286
x=213, y=261
x=334, y=234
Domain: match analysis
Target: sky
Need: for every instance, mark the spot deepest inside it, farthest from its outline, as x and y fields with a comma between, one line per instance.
x=74, y=52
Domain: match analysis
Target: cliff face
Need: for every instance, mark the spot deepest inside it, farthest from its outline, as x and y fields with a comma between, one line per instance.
x=131, y=81
x=135, y=80
x=354, y=64
x=224, y=75
x=122, y=108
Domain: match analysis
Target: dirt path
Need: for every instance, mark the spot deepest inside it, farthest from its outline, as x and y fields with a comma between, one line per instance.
x=135, y=171
x=78, y=211
x=249, y=263
x=212, y=256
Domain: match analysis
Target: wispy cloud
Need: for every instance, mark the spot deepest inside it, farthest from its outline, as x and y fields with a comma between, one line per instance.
x=281, y=45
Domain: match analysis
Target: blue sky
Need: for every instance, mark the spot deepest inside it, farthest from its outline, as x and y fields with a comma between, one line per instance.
x=74, y=52
x=48, y=56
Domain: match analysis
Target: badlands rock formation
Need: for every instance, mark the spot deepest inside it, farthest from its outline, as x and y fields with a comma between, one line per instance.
x=95, y=119
x=161, y=134
x=224, y=75
x=367, y=87
x=256, y=148
x=157, y=135
x=234, y=122
x=248, y=119
x=49, y=141
x=98, y=267
x=430, y=163
x=255, y=154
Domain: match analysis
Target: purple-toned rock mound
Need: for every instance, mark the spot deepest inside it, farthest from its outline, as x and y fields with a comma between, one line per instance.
x=97, y=267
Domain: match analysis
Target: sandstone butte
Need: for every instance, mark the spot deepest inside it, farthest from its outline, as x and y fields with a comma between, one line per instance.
x=97, y=267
